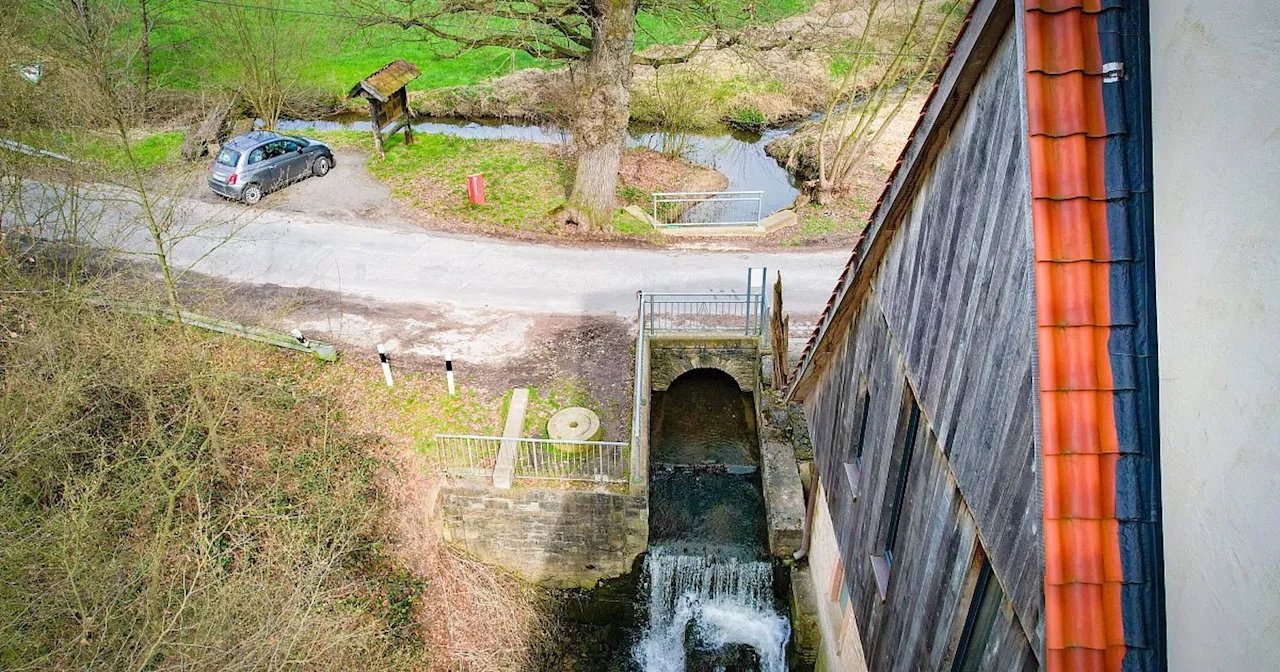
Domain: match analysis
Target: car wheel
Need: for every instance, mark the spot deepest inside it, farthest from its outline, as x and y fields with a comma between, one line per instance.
x=321, y=166
x=251, y=195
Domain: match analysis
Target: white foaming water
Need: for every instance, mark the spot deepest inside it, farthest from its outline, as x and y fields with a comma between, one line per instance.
x=719, y=600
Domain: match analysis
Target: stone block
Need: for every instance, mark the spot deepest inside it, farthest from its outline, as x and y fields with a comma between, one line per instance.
x=783, y=498
x=556, y=537
x=505, y=471
x=637, y=213
x=778, y=220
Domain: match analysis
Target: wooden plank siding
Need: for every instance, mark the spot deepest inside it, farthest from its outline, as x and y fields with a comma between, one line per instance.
x=948, y=311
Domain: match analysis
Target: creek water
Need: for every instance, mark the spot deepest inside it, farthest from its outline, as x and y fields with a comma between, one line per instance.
x=739, y=156
x=707, y=584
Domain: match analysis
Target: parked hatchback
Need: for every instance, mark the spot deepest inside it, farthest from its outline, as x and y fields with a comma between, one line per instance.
x=250, y=165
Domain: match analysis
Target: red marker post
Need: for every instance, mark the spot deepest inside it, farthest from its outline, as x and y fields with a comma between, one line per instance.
x=475, y=188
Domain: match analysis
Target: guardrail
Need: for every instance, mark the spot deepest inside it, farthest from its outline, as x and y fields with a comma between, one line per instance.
x=543, y=459
x=714, y=312
x=707, y=208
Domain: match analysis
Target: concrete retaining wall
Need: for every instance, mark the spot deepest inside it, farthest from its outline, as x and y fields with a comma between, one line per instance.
x=555, y=537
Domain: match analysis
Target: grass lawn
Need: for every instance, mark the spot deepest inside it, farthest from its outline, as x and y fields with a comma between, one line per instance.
x=338, y=53
x=150, y=152
x=524, y=181
x=824, y=222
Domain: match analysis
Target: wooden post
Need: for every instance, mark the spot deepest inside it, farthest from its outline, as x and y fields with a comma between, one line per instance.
x=377, y=127
x=408, y=116
x=780, y=336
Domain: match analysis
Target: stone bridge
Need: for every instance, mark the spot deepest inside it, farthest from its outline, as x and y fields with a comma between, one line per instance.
x=672, y=355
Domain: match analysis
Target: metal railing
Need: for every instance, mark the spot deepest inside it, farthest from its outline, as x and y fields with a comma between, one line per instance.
x=707, y=208
x=543, y=459
x=467, y=454
x=714, y=312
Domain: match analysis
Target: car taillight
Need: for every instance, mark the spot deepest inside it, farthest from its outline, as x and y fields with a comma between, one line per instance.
x=232, y=179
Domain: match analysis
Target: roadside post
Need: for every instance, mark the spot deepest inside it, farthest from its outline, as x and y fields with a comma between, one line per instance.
x=448, y=371
x=475, y=188
x=386, y=364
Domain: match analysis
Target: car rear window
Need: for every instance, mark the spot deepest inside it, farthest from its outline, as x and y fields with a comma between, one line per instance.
x=228, y=157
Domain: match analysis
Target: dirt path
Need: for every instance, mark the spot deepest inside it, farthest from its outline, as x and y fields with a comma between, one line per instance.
x=348, y=192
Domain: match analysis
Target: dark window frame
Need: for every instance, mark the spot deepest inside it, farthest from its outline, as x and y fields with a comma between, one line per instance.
x=853, y=469
x=979, y=623
x=907, y=451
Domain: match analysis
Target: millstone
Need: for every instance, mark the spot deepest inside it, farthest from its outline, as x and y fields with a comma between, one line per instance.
x=573, y=424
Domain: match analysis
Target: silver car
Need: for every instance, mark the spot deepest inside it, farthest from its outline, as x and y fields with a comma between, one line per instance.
x=250, y=165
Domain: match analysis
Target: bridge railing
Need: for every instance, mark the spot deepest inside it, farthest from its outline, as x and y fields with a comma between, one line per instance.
x=707, y=208
x=542, y=459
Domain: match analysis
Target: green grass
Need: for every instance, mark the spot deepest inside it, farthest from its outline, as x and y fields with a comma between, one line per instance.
x=150, y=152
x=524, y=182
x=338, y=53
x=817, y=223
x=675, y=27
x=565, y=392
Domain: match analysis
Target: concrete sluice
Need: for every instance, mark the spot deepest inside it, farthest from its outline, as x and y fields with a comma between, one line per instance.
x=707, y=583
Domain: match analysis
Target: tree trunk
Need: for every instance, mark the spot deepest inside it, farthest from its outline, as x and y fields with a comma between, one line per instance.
x=145, y=49
x=603, y=109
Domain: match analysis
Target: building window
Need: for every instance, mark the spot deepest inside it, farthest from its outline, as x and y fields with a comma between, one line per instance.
x=900, y=483
x=987, y=596
x=862, y=425
x=853, y=470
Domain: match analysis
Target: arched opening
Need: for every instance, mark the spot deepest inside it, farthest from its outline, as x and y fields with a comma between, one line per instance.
x=704, y=418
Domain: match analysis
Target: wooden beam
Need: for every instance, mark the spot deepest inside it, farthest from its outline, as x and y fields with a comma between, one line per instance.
x=377, y=127
x=408, y=116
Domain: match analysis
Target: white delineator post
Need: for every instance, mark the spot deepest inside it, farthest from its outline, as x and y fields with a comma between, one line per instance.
x=386, y=364
x=448, y=371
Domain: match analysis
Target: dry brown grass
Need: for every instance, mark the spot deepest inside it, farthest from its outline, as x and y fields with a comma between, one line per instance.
x=174, y=500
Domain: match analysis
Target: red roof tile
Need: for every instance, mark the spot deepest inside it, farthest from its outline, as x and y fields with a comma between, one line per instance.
x=1084, y=628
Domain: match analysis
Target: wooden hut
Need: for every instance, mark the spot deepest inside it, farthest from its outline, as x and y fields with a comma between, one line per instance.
x=388, y=100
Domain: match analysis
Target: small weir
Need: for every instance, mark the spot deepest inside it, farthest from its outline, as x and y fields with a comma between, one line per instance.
x=708, y=581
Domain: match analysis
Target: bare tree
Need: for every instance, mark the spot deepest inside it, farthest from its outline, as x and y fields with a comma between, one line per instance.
x=265, y=49
x=597, y=36
x=98, y=57
x=859, y=111
x=152, y=15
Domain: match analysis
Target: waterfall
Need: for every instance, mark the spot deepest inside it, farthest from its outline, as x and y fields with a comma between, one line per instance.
x=706, y=601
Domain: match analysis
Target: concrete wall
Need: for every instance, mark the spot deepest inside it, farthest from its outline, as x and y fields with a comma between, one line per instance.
x=673, y=355
x=1216, y=137
x=558, y=537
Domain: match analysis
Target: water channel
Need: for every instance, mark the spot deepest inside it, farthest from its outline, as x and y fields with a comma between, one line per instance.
x=707, y=584
x=738, y=155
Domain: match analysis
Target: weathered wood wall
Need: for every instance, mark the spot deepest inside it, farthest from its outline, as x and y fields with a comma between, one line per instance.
x=949, y=312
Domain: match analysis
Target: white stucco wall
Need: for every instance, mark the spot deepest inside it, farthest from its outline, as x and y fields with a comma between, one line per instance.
x=1216, y=135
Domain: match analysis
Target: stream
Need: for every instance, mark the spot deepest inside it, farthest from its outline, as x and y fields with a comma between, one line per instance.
x=738, y=155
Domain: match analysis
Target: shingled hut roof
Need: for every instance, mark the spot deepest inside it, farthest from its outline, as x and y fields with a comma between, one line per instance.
x=387, y=80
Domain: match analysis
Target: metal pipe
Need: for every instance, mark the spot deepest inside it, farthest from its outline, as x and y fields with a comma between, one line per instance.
x=807, y=529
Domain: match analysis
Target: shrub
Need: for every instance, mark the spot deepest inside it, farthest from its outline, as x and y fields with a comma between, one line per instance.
x=746, y=119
